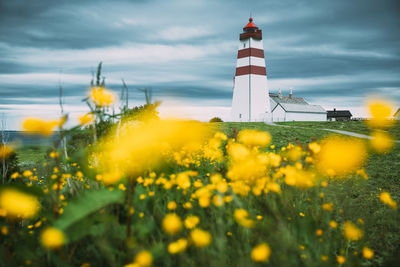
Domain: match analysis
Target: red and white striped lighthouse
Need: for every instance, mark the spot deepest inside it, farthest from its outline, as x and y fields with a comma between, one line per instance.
x=250, y=91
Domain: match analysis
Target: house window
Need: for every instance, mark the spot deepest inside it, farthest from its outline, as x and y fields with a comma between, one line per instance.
x=240, y=116
x=244, y=45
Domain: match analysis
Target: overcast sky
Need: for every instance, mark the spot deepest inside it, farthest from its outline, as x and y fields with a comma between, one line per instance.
x=332, y=53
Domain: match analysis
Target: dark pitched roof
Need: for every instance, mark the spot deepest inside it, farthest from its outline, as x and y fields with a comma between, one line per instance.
x=287, y=100
x=339, y=113
x=300, y=108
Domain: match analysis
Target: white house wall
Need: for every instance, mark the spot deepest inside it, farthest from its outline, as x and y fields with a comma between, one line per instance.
x=278, y=115
x=292, y=116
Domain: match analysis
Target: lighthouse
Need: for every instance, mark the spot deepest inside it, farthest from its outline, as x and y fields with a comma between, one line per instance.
x=250, y=90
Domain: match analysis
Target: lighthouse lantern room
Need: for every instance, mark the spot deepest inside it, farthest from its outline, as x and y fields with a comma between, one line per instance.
x=250, y=91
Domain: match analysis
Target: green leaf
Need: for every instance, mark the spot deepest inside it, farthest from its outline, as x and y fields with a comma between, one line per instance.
x=87, y=203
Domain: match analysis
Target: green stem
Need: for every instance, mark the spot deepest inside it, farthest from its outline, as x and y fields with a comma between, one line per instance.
x=130, y=192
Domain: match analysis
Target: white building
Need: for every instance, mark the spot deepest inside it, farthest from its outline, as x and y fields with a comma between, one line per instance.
x=251, y=99
x=289, y=108
x=250, y=91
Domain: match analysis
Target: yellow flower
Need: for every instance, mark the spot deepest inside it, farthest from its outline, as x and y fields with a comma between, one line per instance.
x=5, y=151
x=319, y=232
x=274, y=159
x=15, y=175
x=273, y=187
x=340, y=259
x=52, y=238
x=299, y=178
x=111, y=177
x=381, y=111
x=218, y=200
x=4, y=230
x=191, y=221
x=314, y=147
x=172, y=224
x=387, y=199
x=43, y=127
x=327, y=206
x=242, y=217
x=101, y=96
x=228, y=199
x=333, y=224
x=362, y=173
x=381, y=142
x=144, y=258
x=122, y=187
x=351, y=232
x=254, y=137
x=368, y=253
x=53, y=154
x=341, y=156
x=294, y=154
x=171, y=205
x=324, y=258
x=200, y=237
x=261, y=253
x=86, y=119
x=18, y=204
x=183, y=180
x=238, y=152
x=121, y=155
x=222, y=187
x=246, y=165
x=177, y=247
x=187, y=205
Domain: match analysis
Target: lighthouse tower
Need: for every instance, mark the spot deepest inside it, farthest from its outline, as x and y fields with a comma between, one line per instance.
x=250, y=91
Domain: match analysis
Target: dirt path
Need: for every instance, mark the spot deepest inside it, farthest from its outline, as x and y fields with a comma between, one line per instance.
x=331, y=130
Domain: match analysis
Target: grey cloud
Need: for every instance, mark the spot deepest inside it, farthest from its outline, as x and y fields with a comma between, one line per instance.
x=303, y=40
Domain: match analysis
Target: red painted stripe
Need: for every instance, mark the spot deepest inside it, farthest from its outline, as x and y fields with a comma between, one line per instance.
x=254, y=52
x=251, y=70
x=256, y=35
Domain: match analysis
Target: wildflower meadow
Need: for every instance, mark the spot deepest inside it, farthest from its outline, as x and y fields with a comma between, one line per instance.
x=130, y=189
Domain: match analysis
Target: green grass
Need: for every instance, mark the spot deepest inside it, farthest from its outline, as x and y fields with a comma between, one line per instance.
x=29, y=155
x=280, y=135
x=357, y=197
x=351, y=126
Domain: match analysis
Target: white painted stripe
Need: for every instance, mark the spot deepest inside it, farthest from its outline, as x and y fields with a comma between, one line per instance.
x=256, y=43
x=255, y=61
x=253, y=43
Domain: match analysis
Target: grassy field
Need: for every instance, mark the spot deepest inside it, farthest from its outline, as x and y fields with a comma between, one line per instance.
x=351, y=126
x=30, y=155
x=355, y=199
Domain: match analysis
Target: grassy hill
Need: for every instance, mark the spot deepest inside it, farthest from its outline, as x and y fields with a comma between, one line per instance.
x=355, y=199
x=351, y=126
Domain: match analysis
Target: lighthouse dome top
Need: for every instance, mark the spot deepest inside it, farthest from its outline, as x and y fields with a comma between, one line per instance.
x=251, y=31
x=250, y=24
